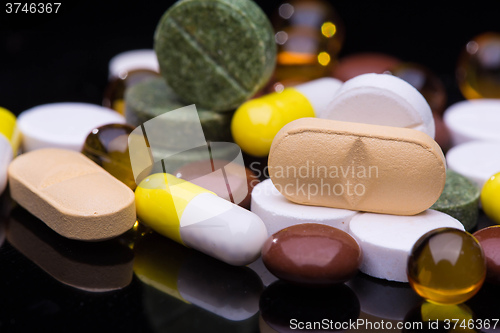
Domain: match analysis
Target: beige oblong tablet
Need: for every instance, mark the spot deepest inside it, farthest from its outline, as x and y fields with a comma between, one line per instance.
x=74, y=196
x=356, y=166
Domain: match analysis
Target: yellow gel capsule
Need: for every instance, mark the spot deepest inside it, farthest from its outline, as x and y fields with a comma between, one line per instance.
x=197, y=218
x=257, y=121
x=490, y=197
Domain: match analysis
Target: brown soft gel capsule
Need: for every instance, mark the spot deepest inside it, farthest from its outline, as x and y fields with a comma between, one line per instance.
x=71, y=194
x=312, y=254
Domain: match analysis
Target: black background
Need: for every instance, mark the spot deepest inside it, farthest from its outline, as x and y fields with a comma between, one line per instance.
x=64, y=57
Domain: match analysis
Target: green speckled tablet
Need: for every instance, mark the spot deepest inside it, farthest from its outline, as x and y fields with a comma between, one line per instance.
x=460, y=199
x=153, y=97
x=215, y=53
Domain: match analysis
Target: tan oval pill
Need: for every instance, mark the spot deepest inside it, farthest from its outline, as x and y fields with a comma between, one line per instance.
x=74, y=196
x=356, y=166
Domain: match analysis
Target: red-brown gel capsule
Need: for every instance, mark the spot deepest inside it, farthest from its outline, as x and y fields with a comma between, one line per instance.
x=312, y=254
x=489, y=239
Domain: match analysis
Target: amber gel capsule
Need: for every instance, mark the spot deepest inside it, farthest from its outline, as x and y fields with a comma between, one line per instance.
x=446, y=266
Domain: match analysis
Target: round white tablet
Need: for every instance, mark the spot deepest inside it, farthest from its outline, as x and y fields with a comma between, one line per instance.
x=476, y=160
x=122, y=63
x=386, y=240
x=278, y=213
x=473, y=120
x=63, y=125
x=381, y=99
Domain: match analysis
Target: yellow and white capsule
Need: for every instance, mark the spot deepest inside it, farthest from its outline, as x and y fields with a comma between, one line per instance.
x=256, y=122
x=9, y=141
x=198, y=218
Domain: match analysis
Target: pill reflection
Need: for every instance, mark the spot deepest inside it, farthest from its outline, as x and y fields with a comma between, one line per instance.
x=382, y=298
x=282, y=304
x=431, y=317
x=192, y=277
x=95, y=267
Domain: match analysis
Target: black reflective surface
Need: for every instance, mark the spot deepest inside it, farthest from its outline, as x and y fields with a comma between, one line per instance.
x=50, y=284
x=143, y=282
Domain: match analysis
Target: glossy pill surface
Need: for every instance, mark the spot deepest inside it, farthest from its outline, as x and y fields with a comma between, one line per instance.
x=446, y=266
x=312, y=254
x=108, y=147
x=356, y=166
x=477, y=69
x=489, y=238
x=125, y=70
x=197, y=218
x=490, y=197
x=309, y=35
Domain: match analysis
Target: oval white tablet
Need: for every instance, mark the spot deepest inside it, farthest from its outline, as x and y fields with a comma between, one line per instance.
x=381, y=99
x=63, y=125
x=476, y=160
x=386, y=240
x=278, y=213
x=473, y=120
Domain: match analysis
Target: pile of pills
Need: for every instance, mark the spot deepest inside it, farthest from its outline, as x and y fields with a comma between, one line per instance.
x=358, y=180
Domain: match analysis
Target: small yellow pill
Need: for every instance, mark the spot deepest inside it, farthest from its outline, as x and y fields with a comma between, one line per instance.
x=490, y=197
x=256, y=122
